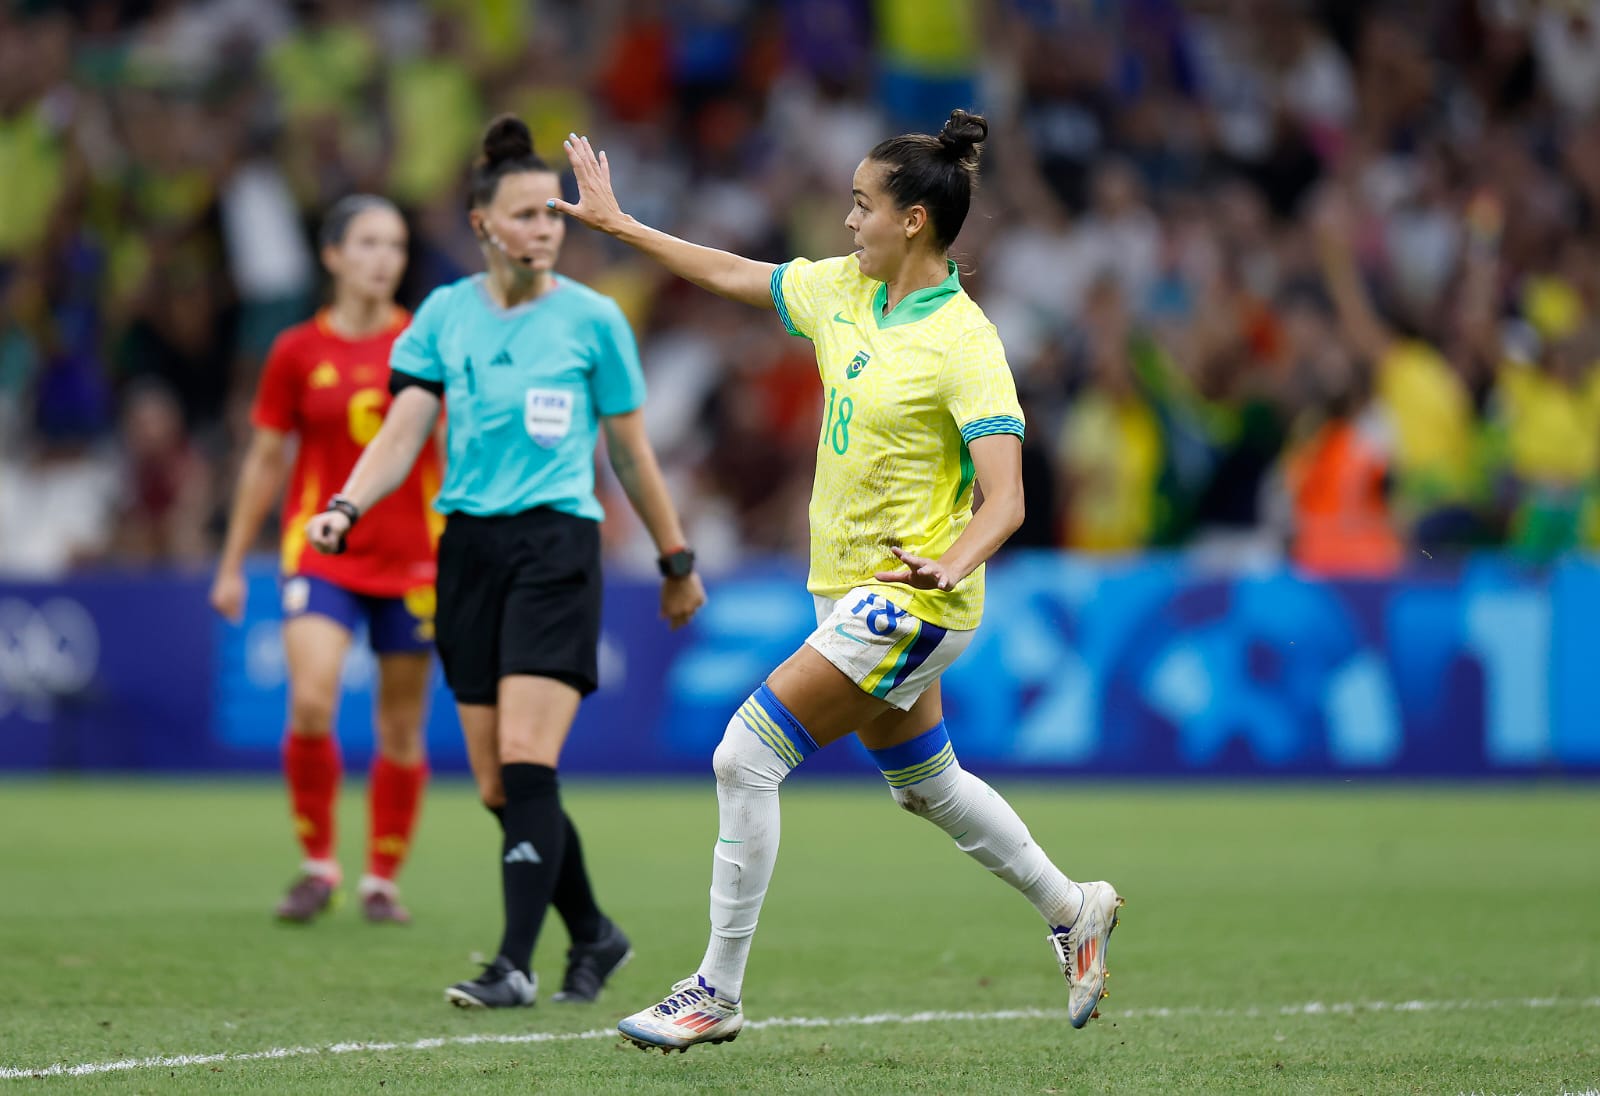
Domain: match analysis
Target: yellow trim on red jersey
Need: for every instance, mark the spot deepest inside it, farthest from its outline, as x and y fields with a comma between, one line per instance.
x=294, y=532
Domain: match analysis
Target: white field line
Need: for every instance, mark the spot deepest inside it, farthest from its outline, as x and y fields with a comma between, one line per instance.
x=1309, y=1008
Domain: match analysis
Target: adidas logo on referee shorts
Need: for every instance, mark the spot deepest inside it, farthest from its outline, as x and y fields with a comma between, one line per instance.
x=523, y=853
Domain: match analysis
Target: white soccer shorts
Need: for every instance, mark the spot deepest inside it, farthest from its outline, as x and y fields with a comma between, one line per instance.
x=882, y=647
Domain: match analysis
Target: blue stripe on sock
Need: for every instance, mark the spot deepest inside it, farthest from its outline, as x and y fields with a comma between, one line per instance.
x=802, y=742
x=760, y=724
x=904, y=778
x=925, y=747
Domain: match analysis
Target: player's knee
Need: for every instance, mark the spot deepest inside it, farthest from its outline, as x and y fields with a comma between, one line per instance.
x=491, y=792
x=723, y=760
x=922, y=773
x=742, y=760
x=728, y=761
x=404, y=751
x=918, y=799
x=909, y=799
x=310, y=712
x=400, y=738
x=934, y=799
x=762, y=742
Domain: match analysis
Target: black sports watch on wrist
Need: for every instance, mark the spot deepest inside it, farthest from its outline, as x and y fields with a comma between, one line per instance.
x=345, y=507
x=679, y=564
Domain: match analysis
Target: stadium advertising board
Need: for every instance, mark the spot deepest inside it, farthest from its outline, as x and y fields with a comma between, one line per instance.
x=1140, y=668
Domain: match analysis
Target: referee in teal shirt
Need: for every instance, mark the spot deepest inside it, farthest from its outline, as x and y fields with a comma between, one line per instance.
x=531, y=366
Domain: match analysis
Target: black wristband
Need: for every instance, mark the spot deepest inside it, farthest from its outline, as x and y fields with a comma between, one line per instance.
x=345, y=507
x=679, y=564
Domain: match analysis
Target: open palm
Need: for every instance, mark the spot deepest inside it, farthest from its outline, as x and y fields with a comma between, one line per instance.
x=597, y=203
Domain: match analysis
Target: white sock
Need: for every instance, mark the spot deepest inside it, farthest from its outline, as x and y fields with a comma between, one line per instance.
x=759, y=748
x=328, y=870
x=986, y=828
x=371, y=884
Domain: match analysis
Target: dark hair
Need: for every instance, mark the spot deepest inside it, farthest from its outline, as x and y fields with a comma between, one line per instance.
x=937, y=173
x=507, y=150
x=336, y=222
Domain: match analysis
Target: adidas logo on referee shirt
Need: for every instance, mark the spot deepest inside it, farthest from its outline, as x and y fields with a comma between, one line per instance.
x=524, y=853
x=502, y=358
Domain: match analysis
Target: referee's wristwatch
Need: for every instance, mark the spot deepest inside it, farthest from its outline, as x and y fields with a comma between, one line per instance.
x=676, y=564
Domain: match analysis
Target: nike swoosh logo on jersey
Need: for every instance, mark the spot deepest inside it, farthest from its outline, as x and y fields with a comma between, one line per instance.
x=838, y=317
x=854, y=639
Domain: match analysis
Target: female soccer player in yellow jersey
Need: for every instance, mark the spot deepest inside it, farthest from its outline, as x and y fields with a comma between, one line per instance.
x=918, y=402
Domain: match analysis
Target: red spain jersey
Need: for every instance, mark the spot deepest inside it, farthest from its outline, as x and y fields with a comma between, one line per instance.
x=333, y=393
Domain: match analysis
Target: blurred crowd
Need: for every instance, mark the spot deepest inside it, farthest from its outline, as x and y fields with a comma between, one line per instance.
x=1277, y=278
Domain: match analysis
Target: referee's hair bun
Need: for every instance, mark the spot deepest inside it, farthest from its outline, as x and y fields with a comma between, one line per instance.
x=507, y=150
x=962, y=134
x=506, y=139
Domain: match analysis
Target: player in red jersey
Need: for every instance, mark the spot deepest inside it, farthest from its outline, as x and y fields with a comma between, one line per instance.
x=327, y=381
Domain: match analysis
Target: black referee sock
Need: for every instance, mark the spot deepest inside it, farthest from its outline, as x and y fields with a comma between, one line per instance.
x=574, y=897
x=531, y=854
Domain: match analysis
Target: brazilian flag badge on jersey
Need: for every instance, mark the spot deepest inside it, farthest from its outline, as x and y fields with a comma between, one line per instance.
x=857, y=364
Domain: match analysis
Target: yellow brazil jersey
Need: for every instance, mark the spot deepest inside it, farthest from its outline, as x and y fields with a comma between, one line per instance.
x=1552, y=428
x=902, y=395
x=1433, y=418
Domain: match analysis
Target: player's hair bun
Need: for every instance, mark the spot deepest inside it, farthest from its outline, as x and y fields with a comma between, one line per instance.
x=962, y=134
x=506, y=139
x=939, y=173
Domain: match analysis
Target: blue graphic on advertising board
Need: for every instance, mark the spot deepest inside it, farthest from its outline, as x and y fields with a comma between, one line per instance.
x=1142, y=667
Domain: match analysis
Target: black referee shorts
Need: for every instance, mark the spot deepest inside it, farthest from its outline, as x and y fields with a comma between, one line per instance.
x=518, y=594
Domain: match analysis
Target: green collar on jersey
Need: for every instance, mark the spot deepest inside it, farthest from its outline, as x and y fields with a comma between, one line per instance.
x=915, y=306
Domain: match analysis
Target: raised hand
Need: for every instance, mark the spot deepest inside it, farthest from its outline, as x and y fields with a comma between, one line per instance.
x=597, y=203
x=921, y=573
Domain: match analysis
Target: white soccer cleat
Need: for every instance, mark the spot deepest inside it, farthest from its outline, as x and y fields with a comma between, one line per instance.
x=690, y=1014
x=1081, y=951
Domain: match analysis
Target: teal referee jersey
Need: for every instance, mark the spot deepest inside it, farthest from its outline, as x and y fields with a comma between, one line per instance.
x=525, y=389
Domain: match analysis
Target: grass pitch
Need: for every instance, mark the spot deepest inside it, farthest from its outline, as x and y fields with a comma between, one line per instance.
x=1292, y=939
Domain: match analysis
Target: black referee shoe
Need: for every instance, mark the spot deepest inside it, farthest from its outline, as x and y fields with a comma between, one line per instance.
x=589, y=966
x=501, y=985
